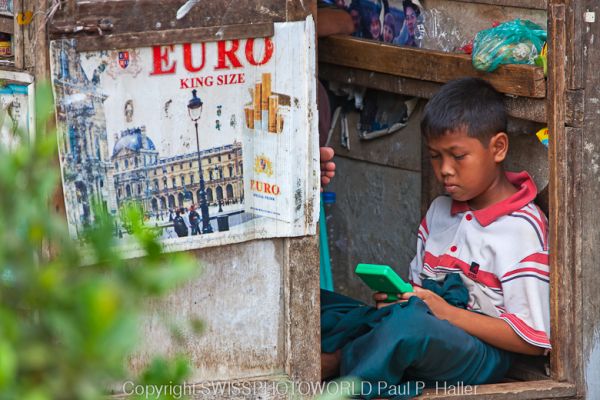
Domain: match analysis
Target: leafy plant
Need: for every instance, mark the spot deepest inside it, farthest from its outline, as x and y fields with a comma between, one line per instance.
x=69, y=316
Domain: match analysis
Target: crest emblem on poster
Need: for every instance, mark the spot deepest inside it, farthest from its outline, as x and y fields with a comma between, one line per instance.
x=123, y=59
x=262, y=165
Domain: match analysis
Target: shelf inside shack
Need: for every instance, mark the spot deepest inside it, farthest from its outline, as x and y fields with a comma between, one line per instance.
x=425, y=65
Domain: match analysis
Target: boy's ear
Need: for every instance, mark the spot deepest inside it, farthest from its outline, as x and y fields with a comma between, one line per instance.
x=499, y=146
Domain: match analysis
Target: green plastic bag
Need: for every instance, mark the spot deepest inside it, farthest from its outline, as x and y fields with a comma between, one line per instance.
x=513, y=42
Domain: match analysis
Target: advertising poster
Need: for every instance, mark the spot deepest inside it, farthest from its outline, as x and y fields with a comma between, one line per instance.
x=16, y=108
x=215, y=141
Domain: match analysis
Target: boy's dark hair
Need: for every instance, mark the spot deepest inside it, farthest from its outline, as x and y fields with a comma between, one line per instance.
x=409, y=3
x=466, y=103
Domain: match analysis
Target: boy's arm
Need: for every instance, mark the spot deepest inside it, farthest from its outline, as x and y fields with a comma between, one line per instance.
x=494, y=331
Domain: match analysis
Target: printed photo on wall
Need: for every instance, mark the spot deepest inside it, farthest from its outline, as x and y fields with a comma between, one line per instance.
x=215, y=142
x=391, y=21
x=16, y=108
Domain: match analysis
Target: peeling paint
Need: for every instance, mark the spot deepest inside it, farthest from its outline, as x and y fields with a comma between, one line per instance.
x=167, y=105
x=184, y=9
x=267, y=11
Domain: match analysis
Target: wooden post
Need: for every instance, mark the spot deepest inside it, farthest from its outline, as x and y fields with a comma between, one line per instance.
x=18, y=36
x=588, y=235
x=565, y=287
x=302, y=277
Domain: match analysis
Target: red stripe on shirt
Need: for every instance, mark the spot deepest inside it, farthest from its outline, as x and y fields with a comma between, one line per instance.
x=540, y=258
x=424, y=225
x=447, y=261
x=541, y=226
x=527, y=269
x=527, y=331
x=544, y=224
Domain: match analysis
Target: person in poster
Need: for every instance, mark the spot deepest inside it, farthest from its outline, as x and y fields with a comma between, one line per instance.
x=407, y=35
x=391, y=21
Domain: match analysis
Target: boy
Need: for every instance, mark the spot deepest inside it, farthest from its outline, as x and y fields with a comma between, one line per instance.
x=487, y=232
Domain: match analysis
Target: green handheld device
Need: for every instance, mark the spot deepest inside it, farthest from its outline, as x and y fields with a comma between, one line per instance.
x=382, y=278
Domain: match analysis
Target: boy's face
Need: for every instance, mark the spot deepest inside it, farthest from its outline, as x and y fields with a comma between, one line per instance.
x=466, y=167
x=388, y=33
x=410, y=20
x=375, y=27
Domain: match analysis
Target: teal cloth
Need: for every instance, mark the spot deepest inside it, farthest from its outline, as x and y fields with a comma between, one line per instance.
x=325, y=263
x=397, y=350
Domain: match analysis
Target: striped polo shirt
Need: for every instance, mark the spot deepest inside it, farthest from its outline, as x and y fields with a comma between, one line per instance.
x=500, y=252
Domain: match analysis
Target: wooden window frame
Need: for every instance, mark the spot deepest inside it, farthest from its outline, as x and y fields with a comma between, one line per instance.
x=559, y=107
x=562, y=109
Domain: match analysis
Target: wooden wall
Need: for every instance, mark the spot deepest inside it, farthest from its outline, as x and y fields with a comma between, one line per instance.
x=260, y=299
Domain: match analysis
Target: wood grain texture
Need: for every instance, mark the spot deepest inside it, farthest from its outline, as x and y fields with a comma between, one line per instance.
x=302, y=312
x=302, y=278
x=174, y=36
x=427, y=65
x=299, y=10
x=574, y=31
x=36, y=55
x=18, y=49
x=518, y=107
x=129, y=16
x=575, y=112
x=531, y=4
x=588, y=235
x=563, y=261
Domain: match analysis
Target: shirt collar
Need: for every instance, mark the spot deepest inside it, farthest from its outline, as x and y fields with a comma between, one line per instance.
x=525, y=195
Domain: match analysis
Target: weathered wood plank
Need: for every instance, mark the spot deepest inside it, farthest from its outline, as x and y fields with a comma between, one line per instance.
x=575, y=107
x=588, y=235
x=299, y=10
x=518, y=107
x=428, y=65
x=18, y=46
x=302, y=311
x=514, y=390
x=562, y=282
x=302, y=276
x=174, y=36
x=36, y=56
x=531, y=4
x=129, y=16
x=574, y=31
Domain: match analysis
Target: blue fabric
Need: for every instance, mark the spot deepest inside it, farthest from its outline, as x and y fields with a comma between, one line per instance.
x=398, y=349
x=325, y=263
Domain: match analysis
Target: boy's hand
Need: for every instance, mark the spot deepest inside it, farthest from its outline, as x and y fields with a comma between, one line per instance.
x=327, y=166
x=380, y=298
x=438, y=306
